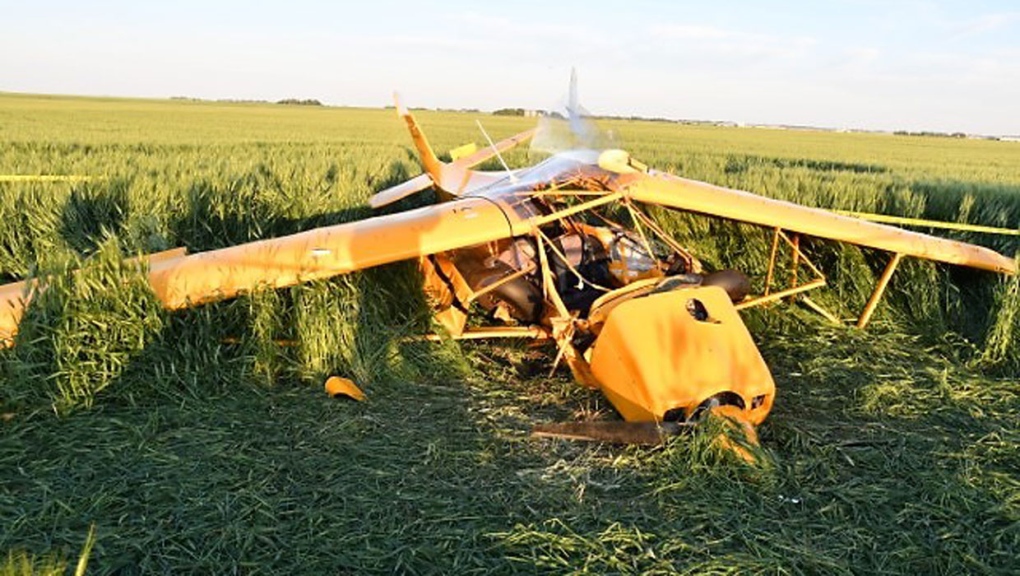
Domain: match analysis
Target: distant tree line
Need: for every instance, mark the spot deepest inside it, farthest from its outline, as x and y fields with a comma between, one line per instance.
x=299, y=102
x=290, y=101
x=928, y=134
x=509, y=112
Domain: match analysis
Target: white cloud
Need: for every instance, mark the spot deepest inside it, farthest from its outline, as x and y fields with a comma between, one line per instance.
x=984, y=24
x=736, y=43
x=686, y=32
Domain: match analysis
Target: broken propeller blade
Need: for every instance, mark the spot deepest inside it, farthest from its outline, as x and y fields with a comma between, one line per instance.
x=619, y=432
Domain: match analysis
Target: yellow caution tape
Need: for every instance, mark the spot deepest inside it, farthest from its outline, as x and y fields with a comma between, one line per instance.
x=929, y=223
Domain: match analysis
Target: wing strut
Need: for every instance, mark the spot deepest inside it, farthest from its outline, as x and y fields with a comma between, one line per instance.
x=876, y=296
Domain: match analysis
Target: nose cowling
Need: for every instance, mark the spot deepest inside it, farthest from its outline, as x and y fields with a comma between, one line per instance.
x=669, y=352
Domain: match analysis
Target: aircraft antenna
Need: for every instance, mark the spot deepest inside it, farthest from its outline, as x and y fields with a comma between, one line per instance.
x=496, y=150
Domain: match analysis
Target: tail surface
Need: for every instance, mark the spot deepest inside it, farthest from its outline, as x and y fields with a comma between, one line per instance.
x=430, y=162
x=451, y=179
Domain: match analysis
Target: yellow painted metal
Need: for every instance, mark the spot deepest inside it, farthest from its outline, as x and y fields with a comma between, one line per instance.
x=775, y=296
x=821, y=311
x=450, y=179
x=604, y=304
x=654, y=355
x=694, y=196
x=620, y=162
x=548, y=283
x=326, y=252
x=339, y=386
x=880, y=287
x=795, y=256
x=483, y=154
x=885, y=219
x=430, y=162
x=801, y=257
x=14, y=298
x=462, y=151
x=576, y=209
x=772, y=261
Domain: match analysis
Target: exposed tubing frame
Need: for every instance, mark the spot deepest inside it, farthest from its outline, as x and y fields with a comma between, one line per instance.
x=603, y=198
x=663, y=236
x=821, y=311
x=795, y=289
x=531, y=227
x=795, y=258
x=772, y=261
x=880, y=286
x=637, y=225
x=776, y=296
x=564, y=324
x=799, y=256
x=639, y=217
x=566, y=262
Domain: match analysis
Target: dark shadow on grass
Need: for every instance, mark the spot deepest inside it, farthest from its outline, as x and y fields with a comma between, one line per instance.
x=93, y=212
x=217, y=218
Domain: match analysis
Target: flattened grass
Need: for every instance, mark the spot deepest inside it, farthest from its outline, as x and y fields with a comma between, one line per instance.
x=201, y=441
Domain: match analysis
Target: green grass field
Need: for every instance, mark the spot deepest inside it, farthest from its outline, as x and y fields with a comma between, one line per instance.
x=194, y=442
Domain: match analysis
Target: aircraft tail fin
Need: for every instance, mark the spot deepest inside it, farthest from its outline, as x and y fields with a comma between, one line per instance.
x=449, y=179
x=432, y=164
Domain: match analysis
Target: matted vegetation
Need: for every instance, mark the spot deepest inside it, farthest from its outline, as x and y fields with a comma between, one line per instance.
x=201, y=440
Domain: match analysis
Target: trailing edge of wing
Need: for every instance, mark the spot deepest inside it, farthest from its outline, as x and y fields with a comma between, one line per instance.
x=695, y=196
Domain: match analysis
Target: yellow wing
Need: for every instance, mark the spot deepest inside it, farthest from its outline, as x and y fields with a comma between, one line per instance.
x=181, y=280
x=694, y=196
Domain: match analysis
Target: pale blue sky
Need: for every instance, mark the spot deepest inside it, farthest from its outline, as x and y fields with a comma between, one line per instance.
x=892, y=64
